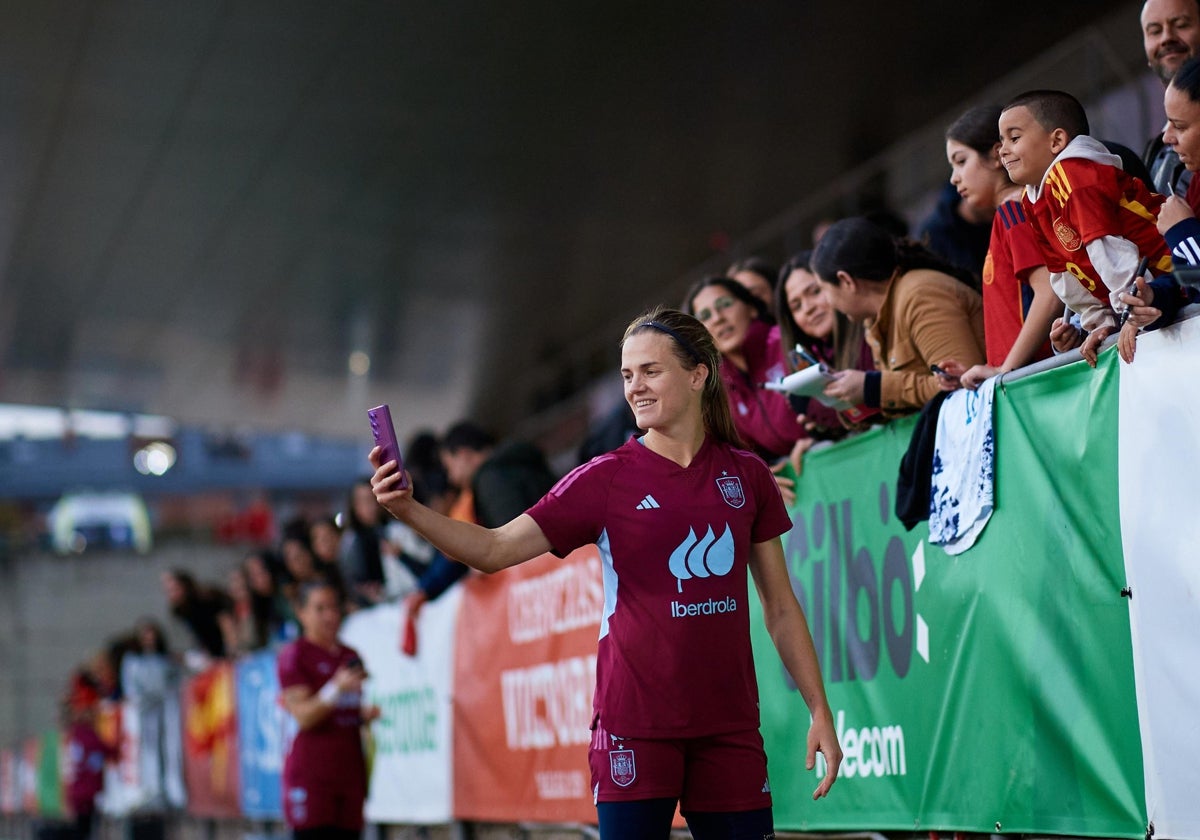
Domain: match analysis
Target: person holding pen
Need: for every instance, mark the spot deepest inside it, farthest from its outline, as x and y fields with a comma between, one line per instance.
x=679, y=515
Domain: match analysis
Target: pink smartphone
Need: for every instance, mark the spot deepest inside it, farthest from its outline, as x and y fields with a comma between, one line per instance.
x=385, y=438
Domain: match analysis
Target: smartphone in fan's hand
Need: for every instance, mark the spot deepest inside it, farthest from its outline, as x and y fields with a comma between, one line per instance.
x=385, y=439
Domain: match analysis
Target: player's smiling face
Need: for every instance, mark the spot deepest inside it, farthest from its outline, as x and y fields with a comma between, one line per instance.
x=657, y=386
x=1183, y=126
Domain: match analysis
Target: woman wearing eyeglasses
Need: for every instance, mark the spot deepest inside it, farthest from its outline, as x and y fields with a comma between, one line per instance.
x=751, y=355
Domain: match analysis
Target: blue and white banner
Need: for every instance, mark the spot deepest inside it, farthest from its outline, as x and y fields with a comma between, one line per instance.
x=265, y=730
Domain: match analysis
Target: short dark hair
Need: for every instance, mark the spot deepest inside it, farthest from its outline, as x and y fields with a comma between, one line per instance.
x=1187, y=78
x=1053, y=109
x=467, y=433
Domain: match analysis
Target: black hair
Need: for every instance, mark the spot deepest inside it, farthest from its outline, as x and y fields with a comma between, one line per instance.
x=425, y=467
x=978, y=128
x=297, y=529
x=467, y=433
x=1187, y=78
x=733, y=287
x=866, y=251
x=1053, y=109
x=306, y=589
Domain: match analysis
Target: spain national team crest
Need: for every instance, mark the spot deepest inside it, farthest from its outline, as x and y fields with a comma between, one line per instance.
x=731, y=490
x=622, y=767
x=1067, y=235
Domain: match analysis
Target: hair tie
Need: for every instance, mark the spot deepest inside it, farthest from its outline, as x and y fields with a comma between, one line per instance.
x=686, y=345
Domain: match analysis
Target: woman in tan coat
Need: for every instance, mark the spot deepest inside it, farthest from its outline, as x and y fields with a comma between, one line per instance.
x=918, y=310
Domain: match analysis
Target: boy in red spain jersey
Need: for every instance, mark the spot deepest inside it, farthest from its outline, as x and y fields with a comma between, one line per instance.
x=1092, y=220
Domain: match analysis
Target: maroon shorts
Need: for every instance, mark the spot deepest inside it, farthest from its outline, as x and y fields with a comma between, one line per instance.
x=711, y=773
x=312, y=805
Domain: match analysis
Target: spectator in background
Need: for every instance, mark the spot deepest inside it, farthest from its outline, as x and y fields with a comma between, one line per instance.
x=362, y=546
x=150, y=680
x=807, y=319
x=325, y=540
x=494, y=484
x=245, y=628
x=958, y=232
x=751, y=355
x=411, y=556
x=300, y=562
x=918, y=311
x=1170, y=36
x=86, y=756
x=758, y=276
x=271, y=605
x=1018, y=304
x=199, y=609
x=1157, y=303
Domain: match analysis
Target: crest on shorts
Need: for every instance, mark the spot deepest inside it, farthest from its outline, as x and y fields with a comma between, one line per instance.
x=1067, y=235
x=731, y=490
x=622, y=767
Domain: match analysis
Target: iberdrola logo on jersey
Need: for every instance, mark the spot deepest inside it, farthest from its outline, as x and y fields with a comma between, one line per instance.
x=701, y=557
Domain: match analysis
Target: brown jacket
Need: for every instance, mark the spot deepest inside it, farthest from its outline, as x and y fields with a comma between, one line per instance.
x=926, y=318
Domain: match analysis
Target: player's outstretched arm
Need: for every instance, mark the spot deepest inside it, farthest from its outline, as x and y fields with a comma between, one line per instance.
x=485, y=549
x=789, y=631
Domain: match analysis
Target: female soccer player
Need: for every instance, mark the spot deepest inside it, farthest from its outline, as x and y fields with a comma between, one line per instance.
x=678, y=514
x=325, y=774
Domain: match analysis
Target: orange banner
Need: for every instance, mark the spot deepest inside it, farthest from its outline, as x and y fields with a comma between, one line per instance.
x=210, y=758
x=525, y=671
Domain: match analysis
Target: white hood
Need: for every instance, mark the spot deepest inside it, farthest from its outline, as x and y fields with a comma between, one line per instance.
x=1083, y=146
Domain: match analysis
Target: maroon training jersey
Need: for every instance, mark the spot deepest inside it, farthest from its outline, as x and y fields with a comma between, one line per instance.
x=331, y=751
x=674, y=657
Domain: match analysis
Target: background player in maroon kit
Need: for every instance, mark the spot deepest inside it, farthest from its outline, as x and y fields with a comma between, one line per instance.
x=679, y=515
x=325, y=773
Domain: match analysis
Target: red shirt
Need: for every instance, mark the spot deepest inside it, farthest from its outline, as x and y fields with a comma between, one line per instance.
x=1083, y=200
x=86, y=755
x=331, y=751
x=674, y=657
x=763, y=418
x=1012, y=256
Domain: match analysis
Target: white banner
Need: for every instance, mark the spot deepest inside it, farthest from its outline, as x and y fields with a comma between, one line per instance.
x=411, y=769
x=1159, y=474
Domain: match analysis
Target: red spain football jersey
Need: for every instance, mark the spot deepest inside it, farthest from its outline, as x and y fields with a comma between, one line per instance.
x=1012, y=255
x=1082, y=201
x=674, y=657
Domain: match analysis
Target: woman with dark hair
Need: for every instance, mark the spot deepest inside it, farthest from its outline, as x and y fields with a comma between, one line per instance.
x=1019, y=306
x=918, y=310
x=758, y=276
x=679, y=515
x=361, y=555
x=808, y=320
x=1157, y=302
x=751, y=355
x=321, y=685
x=200, y=609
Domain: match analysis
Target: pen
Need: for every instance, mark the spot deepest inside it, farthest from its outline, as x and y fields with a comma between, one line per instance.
x=806, y=356
x=1133, y=289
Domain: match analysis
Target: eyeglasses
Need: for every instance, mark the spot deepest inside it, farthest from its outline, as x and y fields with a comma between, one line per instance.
x=719, y=305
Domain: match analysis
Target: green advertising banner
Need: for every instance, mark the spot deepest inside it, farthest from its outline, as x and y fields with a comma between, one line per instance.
x=990, y=691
